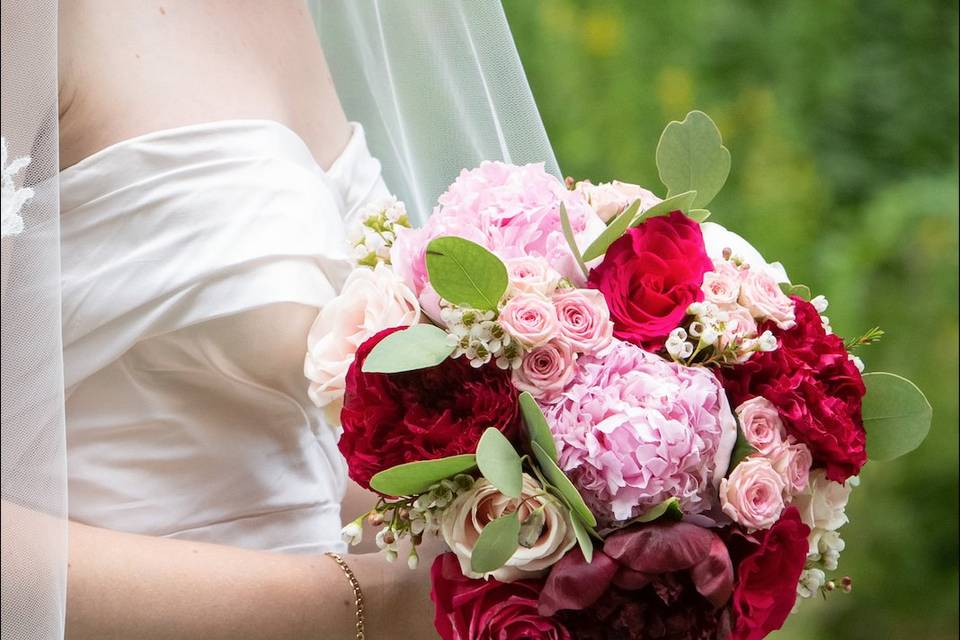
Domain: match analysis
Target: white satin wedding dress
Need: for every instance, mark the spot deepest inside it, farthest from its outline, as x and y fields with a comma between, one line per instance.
x=194, y=262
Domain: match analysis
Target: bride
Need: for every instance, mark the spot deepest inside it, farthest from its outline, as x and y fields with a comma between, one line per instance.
x=207, y=176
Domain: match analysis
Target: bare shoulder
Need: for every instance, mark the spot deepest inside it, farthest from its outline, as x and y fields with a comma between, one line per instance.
x=128, y=68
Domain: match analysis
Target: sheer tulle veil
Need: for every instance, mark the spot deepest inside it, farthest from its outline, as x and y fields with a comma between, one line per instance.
x=438, y=86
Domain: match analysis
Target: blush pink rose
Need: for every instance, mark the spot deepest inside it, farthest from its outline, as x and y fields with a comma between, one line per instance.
x=584, y=319
x=752, y=495
x=792, y=461
x=738, y=328
x=761, y=294
x=531, y=275
x=609, y=199
x=722, y=285
x=761, y=425
x=531, y=319
x=546, y=370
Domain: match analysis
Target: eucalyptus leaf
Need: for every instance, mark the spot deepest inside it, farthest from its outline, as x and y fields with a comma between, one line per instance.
x=414, y=478
x=497, y=543
x=466, y=274
x=691, y=157
x=700, y=215
x=571, y=239
x=583, y=538
x=417, y=347
x=613, y=231
x=680, y=202
x=800, y=290
x=537, y=426
x=559, y=480
x=896, y=416
x=499, y=462
x=659, y=510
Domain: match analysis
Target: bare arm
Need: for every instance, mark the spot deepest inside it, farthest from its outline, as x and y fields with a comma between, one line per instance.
x=122, y=586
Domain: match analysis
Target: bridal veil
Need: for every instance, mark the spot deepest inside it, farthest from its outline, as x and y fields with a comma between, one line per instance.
x=438, y=86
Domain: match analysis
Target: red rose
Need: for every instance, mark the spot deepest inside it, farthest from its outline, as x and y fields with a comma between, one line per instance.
x=650, y=276
x=815, y=387
x=767, y=578
x=390, y=419
x=487, y=609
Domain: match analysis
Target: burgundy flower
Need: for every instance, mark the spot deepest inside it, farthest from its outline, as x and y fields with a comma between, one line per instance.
x=390, y=419
x=487, y=609
x=815, y=387
x=649, y=277
x=665, y=580
x=767, y=578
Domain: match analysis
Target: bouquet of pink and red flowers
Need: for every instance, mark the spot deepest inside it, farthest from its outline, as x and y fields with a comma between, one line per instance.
x=620, y=418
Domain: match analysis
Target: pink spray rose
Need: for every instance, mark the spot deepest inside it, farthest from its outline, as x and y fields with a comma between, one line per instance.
x=722, y=285
x=760, y=293
x=792, y=461
x=531, y=319
x=761, y=425
x=753, y=494
x=532, y=275
x=584, y=319
x=633, y=429
x=546, y=370
x=738, y=327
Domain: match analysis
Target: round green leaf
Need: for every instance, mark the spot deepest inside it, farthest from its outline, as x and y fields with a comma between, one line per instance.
x=499, y=462
x=537, y=426
x=691, y=156
x=896, y=416
x=466, y=274
x=497, y=543
x=414, y=478
x=559, y=480
x=418, y=347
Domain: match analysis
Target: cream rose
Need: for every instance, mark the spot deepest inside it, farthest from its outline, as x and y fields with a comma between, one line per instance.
x=609, y=199
x=542, y=544
x=753, y=494
x=822, y=505
x=761, y=424
x=371, y=300
x=761, y=294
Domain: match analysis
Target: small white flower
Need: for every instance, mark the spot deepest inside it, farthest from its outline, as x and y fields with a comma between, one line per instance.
x=686, y=351
x=820, y=303
x=767, y=341
x=825, y=322
x=696, y=328
x=709, y=335
x=679, y=334
x=810, y=582
x=12, y=199
x=857, y=362
x=695, y=309
x=413, y=560
x=352, y=534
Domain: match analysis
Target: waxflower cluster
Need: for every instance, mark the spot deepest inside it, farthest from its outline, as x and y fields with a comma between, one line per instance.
x=621, y=420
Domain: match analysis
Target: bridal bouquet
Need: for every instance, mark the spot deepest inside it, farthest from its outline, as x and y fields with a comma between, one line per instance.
x=620, y=418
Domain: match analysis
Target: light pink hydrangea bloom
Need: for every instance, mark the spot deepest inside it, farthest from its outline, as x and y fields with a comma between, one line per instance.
x=633, y=430
x=514, y=211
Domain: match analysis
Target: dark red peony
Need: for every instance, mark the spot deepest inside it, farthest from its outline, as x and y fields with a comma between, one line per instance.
x=815, y=387
x=667, y=580
x=767, y=578
x=649, y=277
x=487, y=609
x=420, y=415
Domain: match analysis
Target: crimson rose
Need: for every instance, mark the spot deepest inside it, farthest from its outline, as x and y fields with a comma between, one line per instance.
x=767, y=578
x=815, y=387
x=487, y=609
x=390, y=419
x=649, y=277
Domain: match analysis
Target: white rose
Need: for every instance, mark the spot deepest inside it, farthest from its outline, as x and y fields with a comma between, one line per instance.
x=371, y=300
x=465, y=518
x=822, y=506
x=609, y=199
x=717, y=238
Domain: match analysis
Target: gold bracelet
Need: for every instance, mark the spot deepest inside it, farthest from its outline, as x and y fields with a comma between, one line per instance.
x=357, y=593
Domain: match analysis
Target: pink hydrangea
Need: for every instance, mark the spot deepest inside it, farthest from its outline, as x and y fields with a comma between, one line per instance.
x=512, y=210
x=633, y=429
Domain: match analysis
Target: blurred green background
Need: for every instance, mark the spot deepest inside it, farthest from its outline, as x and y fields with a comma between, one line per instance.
x=842, y=121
